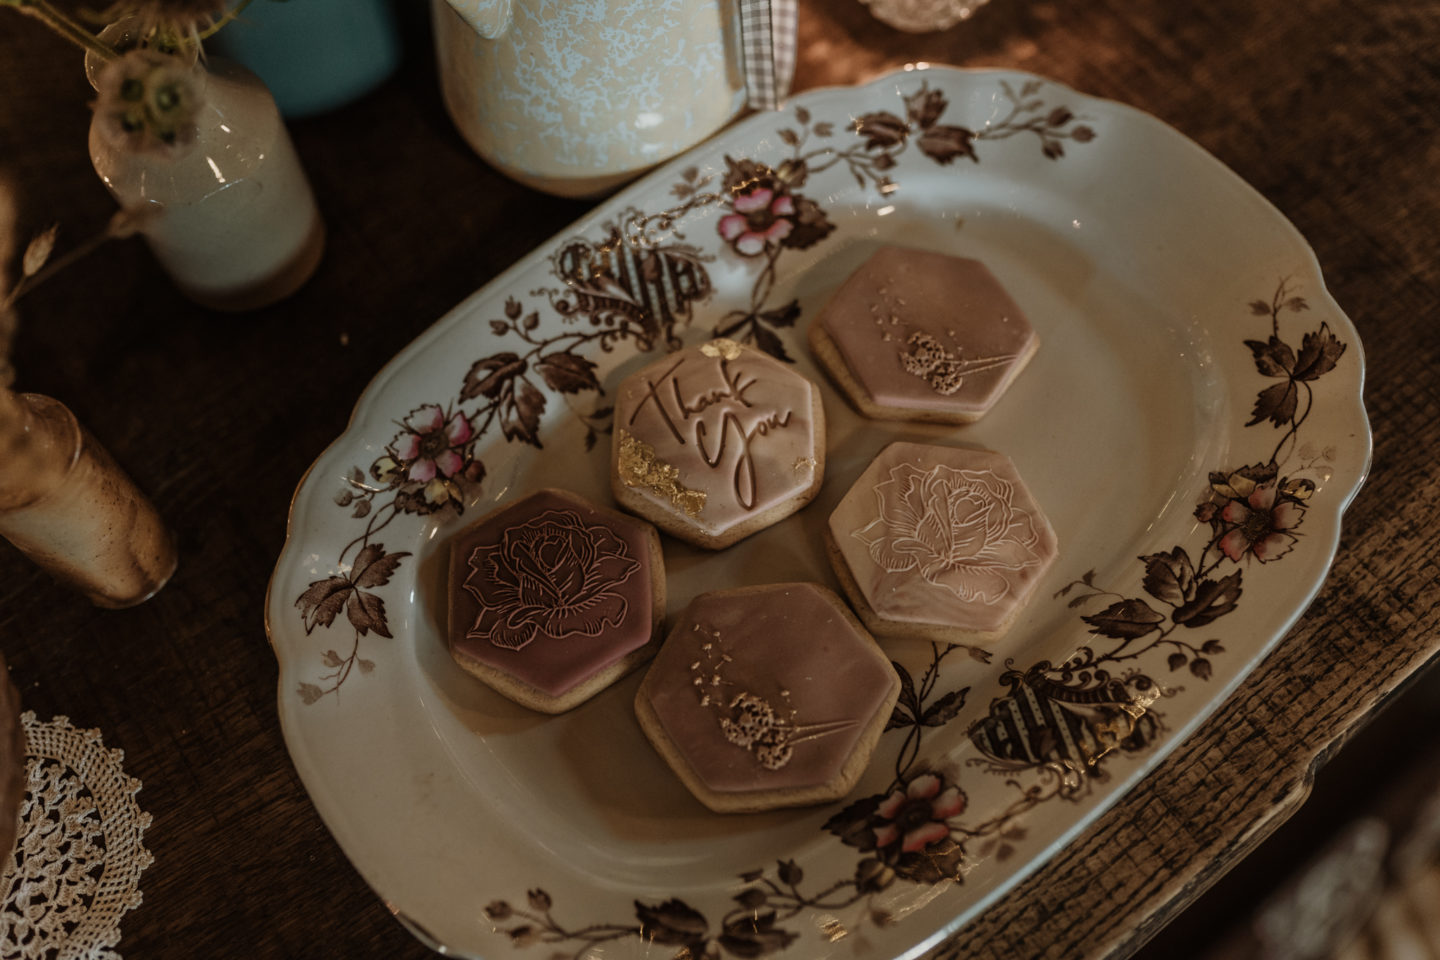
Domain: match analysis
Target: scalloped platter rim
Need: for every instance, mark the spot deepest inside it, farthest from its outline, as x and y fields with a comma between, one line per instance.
x=1192, y=424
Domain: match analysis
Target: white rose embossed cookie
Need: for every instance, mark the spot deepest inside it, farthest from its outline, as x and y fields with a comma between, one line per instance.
x=939, y=543
x=714, y=442
x=916, y=335
x=767, y=696
x=552, y=599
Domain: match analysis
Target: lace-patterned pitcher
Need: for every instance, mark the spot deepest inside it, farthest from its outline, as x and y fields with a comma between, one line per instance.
x=577, y=96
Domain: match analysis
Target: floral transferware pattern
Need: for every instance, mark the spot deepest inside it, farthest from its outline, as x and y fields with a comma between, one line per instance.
x=1051, y=729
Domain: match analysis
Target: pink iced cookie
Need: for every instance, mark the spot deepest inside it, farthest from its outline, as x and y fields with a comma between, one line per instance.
x=939, y=543
x=915, y=335
x=768, y=696
x=714, y=442
x=552, y=599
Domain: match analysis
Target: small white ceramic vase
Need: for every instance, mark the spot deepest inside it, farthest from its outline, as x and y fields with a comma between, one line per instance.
x=237, y=227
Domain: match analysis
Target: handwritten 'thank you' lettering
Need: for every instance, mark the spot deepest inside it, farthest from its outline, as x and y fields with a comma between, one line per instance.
x=705, y=404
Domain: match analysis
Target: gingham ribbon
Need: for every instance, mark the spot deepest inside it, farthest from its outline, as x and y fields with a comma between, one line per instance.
x=767, y=38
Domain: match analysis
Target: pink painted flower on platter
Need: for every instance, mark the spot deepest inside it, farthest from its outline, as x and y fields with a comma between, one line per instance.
x=917, y=816
x=1260, y=524
x=763, y=215
x=960, y=529
x=552, y=577
x=429, y=450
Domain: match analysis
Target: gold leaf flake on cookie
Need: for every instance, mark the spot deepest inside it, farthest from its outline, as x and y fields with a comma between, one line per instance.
x=638, y=466
x=721, y=348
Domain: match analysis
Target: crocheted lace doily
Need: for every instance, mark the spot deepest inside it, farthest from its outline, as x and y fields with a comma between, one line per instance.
x=77, y=862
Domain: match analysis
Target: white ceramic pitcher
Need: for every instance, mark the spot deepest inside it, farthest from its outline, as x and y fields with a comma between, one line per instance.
x=576, y=96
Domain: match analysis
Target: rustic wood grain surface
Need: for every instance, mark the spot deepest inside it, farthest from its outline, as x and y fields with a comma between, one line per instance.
x=1327, y=107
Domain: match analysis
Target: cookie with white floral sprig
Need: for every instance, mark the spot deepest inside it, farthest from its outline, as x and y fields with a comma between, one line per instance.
x=767, y=696
x=717, y=441
x=553, y=598
x=939, y=543
x=920, y=335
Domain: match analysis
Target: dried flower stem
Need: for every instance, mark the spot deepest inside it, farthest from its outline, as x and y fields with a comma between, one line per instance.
x=230, y=15
x=121, y=225
x=62, y=24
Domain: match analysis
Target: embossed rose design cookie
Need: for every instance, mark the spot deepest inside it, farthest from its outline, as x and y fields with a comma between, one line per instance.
x=714, y=442
x=939, y=543
x=552, y=599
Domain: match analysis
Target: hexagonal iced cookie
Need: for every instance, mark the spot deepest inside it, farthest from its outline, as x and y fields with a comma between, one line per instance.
x=768, y=696
x=717, y=441
x=916, y=335
x=939, y=543
x=552, y=599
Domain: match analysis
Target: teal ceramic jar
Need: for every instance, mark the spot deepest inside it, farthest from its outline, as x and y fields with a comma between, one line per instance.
x=314, y=55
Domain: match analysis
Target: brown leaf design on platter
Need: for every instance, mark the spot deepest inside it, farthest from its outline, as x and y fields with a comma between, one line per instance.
x=925, y=106
x=769, y=341
x=1124, y=620
x=811, y=224
x=672, y=922
x=1319, y=352
x=945, y=144
x=945, y=709
x=793, y=173
x=742, y=174
x=1276, y=404
x=1213, y=599
x=881, y=130
x=374, y=566
x=323, y=601
x=782, y=316
x=489, y=376
x=367, y=613
x=754, y=936
x=567, y=372
x=1169, y=577
x=520, y=417
x=1273, y=357
x=751, y=898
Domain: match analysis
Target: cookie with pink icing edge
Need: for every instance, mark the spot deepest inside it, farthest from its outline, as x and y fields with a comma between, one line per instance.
x=717, y=441
x=767, y=696
x=939, y=543
x=919, y=335
x=552, y=599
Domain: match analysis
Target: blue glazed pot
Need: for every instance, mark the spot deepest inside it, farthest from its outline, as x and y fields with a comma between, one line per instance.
x=314, y=55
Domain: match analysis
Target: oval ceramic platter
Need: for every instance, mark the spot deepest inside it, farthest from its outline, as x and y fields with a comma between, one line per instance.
x=1192, y=425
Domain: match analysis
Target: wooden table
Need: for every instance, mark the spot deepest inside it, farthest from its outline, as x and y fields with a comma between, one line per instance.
x=1327, y=107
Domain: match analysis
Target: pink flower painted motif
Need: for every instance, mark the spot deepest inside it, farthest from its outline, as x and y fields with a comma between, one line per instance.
x=1260, y=523
x=551, y=577
x=918, y=816
x=762, y=216
x=959, y=528
x=428, y=450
